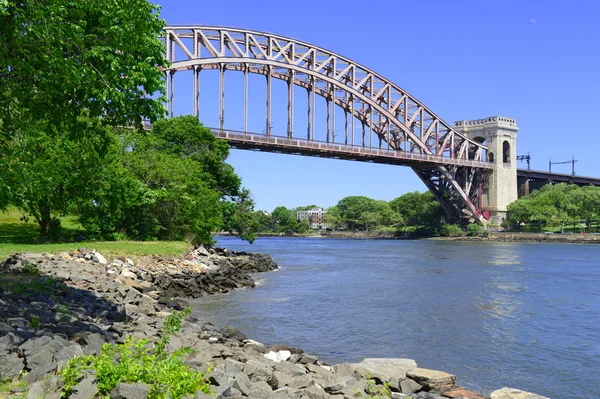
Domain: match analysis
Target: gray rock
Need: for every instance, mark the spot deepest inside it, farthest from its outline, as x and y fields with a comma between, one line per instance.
x=432, y=380
x=313, y=392
x=409, y=386
x=233, y=367
x=67, y=353
x=260, y=390
x=427, y=395
x=86, y=389
x=398, y=395
x=280, y=380
x=258, y=371
x=292, y=369
x=42, y=356
x=38, y=373
x=318, y=370
x=43, y=388
x=130, y=391
x=233, y=333
x=281, y=393
x=62, y=274
x=10, y=366
x=295, y=358
x=242, y=384
x=512, y=393
x=35, y=343
x=308, y=359
x=340, y=383
x=200, y=250
x=302, y=381
x=227, y=392
x=257, y=346
x=91, y=343
x=221, y=378
x=384, y=369
x=11, y=340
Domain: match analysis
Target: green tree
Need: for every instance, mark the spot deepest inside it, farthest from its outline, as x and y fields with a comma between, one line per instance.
x=61, y=57
x=369, y=219
x=49, y=171
x=351, y=209
x=282, y=217
x=552, y=205
x=418, y=209
x=167, y=183
x=239, y=216
x=333, y=217
x=264, y=222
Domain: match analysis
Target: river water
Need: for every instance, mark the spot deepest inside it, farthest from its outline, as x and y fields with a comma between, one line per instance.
x=523, y=315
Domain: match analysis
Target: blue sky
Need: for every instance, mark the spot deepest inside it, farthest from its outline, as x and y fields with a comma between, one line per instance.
x=537, y=61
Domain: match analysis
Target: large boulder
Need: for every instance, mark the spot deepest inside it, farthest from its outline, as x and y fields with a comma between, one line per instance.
x=512, y=393
x=386, y=369
x=11, y=366
x=432, y=380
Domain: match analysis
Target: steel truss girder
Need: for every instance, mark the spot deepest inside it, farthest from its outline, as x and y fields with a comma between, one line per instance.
x=405, y=119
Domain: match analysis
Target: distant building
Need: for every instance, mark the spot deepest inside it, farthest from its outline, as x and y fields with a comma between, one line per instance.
x=314, y=217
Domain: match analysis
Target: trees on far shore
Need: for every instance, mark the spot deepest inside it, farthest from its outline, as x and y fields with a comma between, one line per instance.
x=557, y=205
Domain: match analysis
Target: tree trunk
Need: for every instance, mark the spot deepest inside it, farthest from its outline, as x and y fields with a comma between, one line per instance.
x=44, y=219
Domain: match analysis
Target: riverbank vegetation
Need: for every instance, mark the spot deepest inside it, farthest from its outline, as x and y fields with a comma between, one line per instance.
x=556, y=208
x=413, y=213
x=72, y=141
x=171, y=184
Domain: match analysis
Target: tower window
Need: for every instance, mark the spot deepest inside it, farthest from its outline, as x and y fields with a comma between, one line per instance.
x=506, y=152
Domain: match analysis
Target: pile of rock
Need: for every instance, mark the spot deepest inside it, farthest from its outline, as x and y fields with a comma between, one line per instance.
x=85, y=300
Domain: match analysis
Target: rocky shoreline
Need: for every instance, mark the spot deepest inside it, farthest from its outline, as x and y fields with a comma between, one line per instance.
x=54, y=307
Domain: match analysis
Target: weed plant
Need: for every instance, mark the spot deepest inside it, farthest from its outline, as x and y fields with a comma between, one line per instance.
x=138, y=361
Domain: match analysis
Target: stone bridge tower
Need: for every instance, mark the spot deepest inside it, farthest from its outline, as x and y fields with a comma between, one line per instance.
x=500, y=136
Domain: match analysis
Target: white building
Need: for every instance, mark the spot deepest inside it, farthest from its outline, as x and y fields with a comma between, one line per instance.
x=314, y=217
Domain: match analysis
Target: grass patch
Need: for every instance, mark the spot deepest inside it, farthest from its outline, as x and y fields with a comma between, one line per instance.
x=107, y=248
x=14, y=230
x=6, y=386
x=17, y=236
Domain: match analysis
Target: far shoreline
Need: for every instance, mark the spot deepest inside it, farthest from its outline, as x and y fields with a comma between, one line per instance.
x=492, y=237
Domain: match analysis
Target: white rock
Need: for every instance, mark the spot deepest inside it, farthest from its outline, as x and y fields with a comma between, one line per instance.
x=109, y=272
x=100, y=258
x=328, y=368
x=279, y=356
x=253, y=342
x=130, y=262
x=128, y=273
x=511, y=393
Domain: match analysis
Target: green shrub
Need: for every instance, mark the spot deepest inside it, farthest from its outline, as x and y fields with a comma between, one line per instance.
x=451, y=230
x=35, y=322
x=30, y=268
x=136, y=360
x=474, y=230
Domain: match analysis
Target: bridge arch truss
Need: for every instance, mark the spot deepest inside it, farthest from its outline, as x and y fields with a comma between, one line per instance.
x=451, y=166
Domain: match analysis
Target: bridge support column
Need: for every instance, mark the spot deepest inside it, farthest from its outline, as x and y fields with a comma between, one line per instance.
x=500, y=136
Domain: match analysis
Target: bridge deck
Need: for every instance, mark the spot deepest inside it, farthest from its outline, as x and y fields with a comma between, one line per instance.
x=537, y=175
x=271, y=143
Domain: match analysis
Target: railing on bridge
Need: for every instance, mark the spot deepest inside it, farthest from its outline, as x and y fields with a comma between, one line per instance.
x=392, y=156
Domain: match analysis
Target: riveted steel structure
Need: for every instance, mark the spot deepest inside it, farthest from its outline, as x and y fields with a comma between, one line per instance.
x=396, y=127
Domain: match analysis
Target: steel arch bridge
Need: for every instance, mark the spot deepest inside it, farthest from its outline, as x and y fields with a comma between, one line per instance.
x=406, y=132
